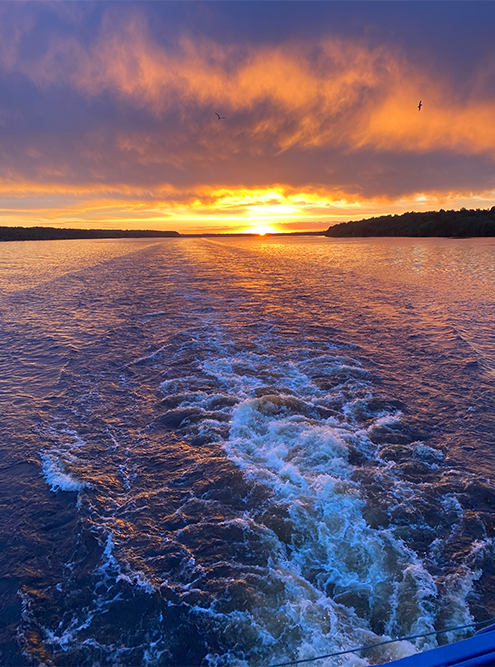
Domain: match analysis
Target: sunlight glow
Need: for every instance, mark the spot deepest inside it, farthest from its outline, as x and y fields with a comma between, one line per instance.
x=234, y=209
x=262, y=230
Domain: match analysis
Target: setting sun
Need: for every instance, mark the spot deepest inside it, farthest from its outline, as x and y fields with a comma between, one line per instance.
x=262, y=230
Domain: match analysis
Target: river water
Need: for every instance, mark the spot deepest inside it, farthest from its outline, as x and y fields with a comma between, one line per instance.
x=242, y=451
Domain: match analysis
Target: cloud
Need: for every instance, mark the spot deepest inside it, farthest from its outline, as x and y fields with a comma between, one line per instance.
x=337, y=92
x=98, y=105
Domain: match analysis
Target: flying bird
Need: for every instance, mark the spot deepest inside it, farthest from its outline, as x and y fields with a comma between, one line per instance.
x=420, y=105
x=219, y=116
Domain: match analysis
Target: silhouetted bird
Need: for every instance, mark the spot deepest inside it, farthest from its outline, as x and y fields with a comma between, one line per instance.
x=219, y=116
x=420, y=105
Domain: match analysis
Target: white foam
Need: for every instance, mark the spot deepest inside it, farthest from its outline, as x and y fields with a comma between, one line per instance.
x=56, y=475
x=306, y=466
x=422, y=451
x=286, y=442
x=282, y=441
x=152, y=357
x=111, y=570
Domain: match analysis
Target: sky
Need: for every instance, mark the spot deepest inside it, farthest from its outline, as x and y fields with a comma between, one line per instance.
x=108, y=112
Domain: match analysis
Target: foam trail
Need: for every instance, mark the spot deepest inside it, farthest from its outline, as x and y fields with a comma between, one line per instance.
x=56, y=475
x=295, y=436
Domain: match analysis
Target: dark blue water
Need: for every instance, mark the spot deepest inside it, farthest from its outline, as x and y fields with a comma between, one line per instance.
x=243, y=451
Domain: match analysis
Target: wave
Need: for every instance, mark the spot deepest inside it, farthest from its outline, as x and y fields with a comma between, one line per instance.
x=56, y=475
x=326, y=526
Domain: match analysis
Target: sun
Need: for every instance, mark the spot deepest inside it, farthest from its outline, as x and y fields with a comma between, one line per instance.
x=262, y=230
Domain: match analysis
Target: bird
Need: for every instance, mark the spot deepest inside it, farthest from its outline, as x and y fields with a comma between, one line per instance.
x=420, y=105
x=219, y=116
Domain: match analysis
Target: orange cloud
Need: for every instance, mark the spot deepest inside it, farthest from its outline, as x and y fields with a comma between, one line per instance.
x=334, y=93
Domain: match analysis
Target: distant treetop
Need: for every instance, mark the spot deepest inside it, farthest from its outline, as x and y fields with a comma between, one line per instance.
x=57, y=234
x=456, y=224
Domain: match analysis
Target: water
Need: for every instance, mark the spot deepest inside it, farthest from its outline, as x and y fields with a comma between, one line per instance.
x=244, y=451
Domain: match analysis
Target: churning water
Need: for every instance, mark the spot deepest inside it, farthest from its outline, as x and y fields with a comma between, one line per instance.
x=244, y=451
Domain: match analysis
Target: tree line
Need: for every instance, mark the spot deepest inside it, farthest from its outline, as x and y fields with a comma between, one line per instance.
x=457, y=224
x=55, y=234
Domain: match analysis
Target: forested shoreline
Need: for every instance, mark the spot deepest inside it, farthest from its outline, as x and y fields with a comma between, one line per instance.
x=58, y=234
x=457, y=224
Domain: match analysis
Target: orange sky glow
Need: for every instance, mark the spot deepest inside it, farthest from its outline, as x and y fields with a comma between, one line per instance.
x=315, y=131
x=216, y=211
